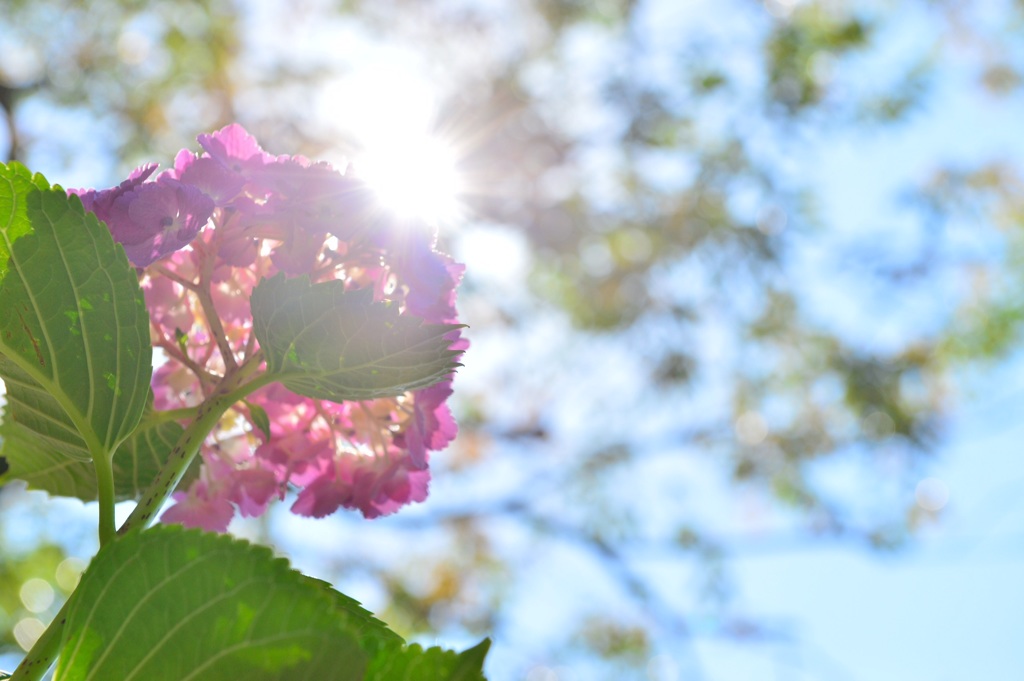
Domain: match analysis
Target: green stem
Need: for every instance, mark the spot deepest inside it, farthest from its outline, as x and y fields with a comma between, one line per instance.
x=44, y=650
x=230, y=391
x=206, y=418
x=252, y=386
x=105, y=486
x=157, y=417
x=213, y=322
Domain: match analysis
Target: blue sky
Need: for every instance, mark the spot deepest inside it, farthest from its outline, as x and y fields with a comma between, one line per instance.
x=951, y=606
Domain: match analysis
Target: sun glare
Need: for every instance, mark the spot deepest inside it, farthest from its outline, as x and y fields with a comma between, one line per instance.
x=413, y=176
x=389, y=109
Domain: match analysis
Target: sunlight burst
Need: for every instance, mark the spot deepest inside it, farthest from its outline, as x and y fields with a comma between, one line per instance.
x=413, y=176
x=390, y=111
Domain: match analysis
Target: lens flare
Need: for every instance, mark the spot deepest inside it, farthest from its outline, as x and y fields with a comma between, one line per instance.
x=415, y=177
x=390, y=115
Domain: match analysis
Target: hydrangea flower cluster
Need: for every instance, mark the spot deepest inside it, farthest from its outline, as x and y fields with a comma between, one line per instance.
x=203, y=234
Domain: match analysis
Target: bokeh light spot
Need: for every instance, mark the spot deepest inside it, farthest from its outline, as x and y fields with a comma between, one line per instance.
x=751, y=428
x=27, y=631
x=36, y=595
x=932, y=494
x=662, y=668
x=879, y=424
x=542, y=673
x=69, y=572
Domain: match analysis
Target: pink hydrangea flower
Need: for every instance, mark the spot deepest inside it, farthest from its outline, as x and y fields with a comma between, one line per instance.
x=375, y=485
x=151, y=219
x=209, y=176
x=198, y=508
x=100, y=202
x=206, y=233
x=234, y=148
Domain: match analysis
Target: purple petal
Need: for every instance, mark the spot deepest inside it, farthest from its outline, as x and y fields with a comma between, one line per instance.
x=235, y=149
x=158, y=218
x=213, y=179
x=100, y=202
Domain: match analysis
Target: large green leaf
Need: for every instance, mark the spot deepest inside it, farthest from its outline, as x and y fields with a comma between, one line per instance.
x=433, y=664
x=74, y=334
x=168, y=604
x=328, y=343
x=374, y=635
x=136, y=462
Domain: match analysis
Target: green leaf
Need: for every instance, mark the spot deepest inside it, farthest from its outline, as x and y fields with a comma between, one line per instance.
x=259, y=417
x=374, y=635
x=136, y=462
x=168, y=604
x=328, y=343
x=414, y=663
x=74, y=334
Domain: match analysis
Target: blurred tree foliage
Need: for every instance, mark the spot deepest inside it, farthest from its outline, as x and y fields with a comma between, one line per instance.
x=659, y=179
